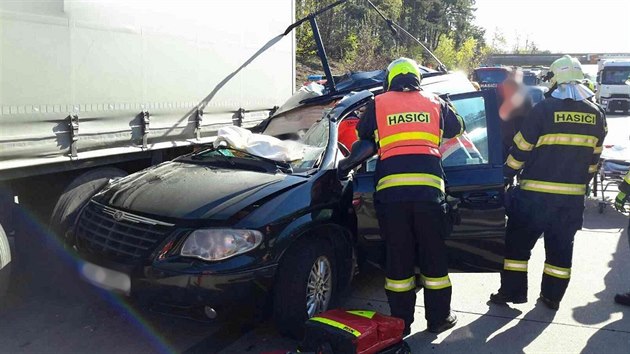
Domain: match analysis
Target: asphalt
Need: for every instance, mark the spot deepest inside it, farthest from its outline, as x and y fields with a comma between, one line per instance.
x=50, y=310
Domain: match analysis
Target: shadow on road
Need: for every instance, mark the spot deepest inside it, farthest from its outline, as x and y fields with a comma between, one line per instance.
x=601, y=310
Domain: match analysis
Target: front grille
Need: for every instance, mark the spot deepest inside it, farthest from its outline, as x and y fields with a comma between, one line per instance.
x=620, y=95
x=118, y=235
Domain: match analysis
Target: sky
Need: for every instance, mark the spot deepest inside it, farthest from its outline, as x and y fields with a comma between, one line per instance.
x=561, y=26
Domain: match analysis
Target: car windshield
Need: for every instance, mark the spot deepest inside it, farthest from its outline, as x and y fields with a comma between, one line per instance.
x=268, y=154
x=491, y=76
x=530, y=80
x=616, y=76
x=314, y=144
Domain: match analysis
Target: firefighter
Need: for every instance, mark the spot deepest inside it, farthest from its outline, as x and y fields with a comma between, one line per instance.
x=408, y=125
x=556, y=153
x=620, y=201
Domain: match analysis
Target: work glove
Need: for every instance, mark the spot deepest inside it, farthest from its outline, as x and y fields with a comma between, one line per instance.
x=620, y=202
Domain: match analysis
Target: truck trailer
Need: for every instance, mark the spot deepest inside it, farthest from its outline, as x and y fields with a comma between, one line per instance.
x=91, y=91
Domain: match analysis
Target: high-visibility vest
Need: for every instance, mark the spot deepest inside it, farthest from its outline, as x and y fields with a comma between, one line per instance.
x=408, y=123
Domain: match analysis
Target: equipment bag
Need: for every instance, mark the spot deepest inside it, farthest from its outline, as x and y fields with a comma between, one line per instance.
x=354, y=331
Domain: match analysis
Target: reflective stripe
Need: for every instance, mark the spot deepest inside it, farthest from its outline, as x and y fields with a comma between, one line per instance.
x=521, y=143
x=558, y=272
x=627, y=178
x=621, y=196
x=592, y=168
x=598, y=150
x=462, y=125
x=435, y=283
x=515, y=265
x=362, y=313
x=394, y=138
x=553, y=187
x=332, y=323
x=514, y=163
x=568, y=139
x=400, y=286
x=375, y=135
x=410, y=179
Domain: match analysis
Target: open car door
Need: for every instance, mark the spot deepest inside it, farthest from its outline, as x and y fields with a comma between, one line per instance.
x=473, y=164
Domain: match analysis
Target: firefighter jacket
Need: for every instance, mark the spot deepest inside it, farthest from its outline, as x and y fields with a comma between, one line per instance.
x=624, y=187
x=557, y=150
x=408, y=127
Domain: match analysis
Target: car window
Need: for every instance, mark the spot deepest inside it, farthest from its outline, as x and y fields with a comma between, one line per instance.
x=471, y=148
x=491, y=76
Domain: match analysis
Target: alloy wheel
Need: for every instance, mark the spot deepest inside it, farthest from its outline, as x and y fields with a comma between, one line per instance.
x=319, y=287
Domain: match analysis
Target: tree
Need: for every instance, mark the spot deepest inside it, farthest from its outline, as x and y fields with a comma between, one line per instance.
x=356, y=38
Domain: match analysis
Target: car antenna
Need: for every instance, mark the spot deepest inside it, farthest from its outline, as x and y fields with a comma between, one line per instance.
x=393, y=25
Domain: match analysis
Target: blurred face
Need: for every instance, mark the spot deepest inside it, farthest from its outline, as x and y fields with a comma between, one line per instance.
x=511, y=99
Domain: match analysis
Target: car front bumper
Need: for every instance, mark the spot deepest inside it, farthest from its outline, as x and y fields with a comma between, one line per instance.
x=186, y=291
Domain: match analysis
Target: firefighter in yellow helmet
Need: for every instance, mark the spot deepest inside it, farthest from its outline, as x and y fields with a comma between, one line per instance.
x=406, y=126
x=620, y=201
x=555, y=155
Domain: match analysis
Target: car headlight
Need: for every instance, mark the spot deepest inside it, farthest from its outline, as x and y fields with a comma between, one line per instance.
x=219, y=244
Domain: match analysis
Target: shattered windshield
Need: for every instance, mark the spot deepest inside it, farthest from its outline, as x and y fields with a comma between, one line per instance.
x=314, y=144
x=271, y=154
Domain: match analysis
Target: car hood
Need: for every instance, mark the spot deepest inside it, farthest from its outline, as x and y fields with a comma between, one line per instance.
x=193, y=191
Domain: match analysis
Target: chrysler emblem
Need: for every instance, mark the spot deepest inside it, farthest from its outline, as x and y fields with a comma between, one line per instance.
x=118, y=215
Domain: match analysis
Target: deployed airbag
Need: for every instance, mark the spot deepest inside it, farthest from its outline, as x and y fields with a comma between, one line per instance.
x=259, y=144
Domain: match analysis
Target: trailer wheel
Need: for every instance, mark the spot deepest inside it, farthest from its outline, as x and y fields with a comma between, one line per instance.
x=78, y=192
x=5, y=265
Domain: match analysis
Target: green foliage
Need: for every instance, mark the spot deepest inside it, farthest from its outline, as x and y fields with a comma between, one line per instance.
x=466, y=57
x=355, y=36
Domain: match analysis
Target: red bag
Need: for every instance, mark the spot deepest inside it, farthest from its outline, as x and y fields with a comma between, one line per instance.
x=358, y=331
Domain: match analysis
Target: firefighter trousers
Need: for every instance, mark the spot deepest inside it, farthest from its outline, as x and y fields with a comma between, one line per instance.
x=414, y=237
x=530, y=217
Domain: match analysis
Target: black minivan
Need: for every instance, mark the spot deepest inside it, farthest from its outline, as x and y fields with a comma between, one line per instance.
x=222, y=228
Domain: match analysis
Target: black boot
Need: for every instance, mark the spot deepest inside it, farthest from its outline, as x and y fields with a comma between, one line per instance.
x=503, y=299
x=444, y=325
x=553, y=305
x=623, y=299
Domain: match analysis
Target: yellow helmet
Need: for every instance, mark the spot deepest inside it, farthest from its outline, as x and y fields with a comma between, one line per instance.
x=402, y=66
x=566, y=69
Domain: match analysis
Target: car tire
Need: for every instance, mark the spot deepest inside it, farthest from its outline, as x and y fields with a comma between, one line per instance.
x=290, y=291
x=76, y=195
x=5, y=265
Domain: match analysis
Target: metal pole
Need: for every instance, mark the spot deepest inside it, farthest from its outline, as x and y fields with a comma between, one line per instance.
x=330, y=81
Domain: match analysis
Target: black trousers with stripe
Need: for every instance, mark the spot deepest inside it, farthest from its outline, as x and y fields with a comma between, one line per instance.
x=414, y=236
x=529, y=217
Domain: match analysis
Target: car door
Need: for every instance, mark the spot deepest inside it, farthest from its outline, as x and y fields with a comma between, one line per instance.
x=473, y=166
